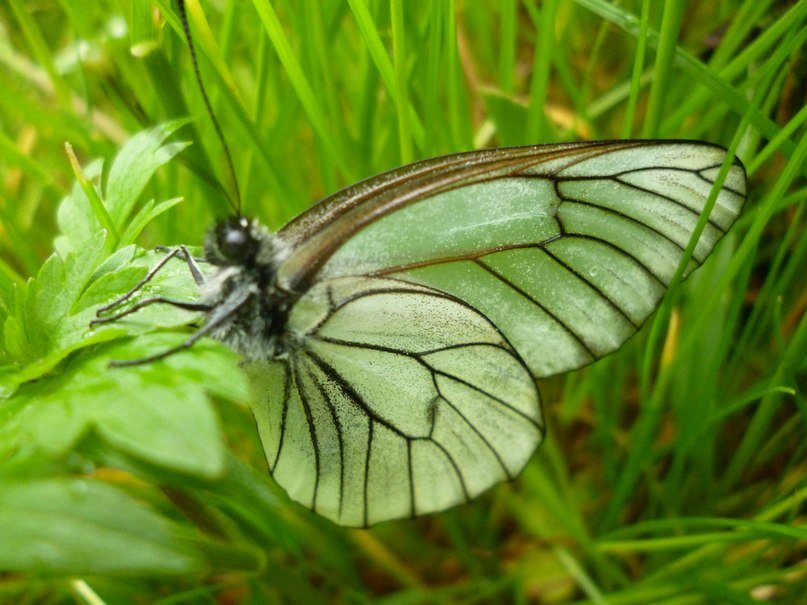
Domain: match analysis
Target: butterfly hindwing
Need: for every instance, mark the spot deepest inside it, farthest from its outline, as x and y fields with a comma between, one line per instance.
x=397, y=401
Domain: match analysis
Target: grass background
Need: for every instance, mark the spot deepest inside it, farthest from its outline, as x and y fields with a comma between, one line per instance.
x=674, y=470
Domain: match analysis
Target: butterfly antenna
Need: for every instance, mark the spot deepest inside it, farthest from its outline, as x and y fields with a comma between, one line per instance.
x=183, y=17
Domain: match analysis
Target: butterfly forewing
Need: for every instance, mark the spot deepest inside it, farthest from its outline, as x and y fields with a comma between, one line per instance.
x=566, y=248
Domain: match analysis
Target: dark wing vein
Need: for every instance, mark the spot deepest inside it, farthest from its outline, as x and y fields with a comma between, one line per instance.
x=615, y=179
x=402, y=290
x=283, y=413
x=484, y=439
x=352, y=394
x=419, y=358
x=625, y=217
x=411, y=354
x=470, y=256
x=337, y=425
x=711, y=182
x=538, y=304
x=453, y=463
x=594, y=287
x=616, y=248
x=309, y=418
x=672, y=200
x=482, y=391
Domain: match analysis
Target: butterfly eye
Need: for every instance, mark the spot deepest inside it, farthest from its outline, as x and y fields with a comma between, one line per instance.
x=234, y=242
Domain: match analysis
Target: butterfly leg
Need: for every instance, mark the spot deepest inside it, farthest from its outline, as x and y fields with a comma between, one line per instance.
x=181, y=304
x=192, y=261
x=222, y=315
x=180, y=251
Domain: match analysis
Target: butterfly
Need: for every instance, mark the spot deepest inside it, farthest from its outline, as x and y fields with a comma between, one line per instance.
x=394, y=332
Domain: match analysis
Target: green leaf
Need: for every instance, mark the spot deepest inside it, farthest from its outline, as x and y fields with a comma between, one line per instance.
x=125, y=269
x=53, y=315
x=99, y=210
x=509, y=117
x=135, y=164
x=75, y=216
x=157, y=412
x=80, y=526
x=58, y=292
x=42, y=330
x=144, y=216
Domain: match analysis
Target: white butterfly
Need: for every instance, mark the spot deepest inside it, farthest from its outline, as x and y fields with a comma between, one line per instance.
x=394, y=331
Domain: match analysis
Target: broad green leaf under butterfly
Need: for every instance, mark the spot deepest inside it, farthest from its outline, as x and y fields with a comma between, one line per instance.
x=435, y=295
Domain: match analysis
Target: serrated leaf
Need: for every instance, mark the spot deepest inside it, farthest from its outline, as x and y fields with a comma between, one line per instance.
x=58, y=293
x=135, y=164
x=144, y=216
x=80, y=526
x=59, y=304
x=39, y=294
x=159, y=412
x=174, y=280
x=36, y=328
x=15, y=338
x=75, y=216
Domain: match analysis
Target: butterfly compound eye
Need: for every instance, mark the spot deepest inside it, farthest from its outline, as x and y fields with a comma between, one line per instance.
x=234, y=242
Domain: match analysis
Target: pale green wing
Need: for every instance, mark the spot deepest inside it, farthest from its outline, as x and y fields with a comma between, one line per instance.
x=430, y=296
x=565, y=248
x=395, y=401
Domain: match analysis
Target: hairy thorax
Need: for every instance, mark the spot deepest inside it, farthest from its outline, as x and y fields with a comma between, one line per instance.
x=253, y=311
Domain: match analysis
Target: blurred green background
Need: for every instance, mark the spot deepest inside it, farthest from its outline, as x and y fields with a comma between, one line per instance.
x=674, y=470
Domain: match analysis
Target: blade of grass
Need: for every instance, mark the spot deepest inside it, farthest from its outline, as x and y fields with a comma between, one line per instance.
x=301, y=85
x=750, y=13
x=665, y=52
x=388, y=71
x=754, y=435
x=459, y=125
x=508, y=42
x=40, y=50
x=401, y=95
x=316, y=64
x=636, y=74
x=697, y=557
x=653, y=408
x=713, y=82
x=758, y=49
x=544, y=20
